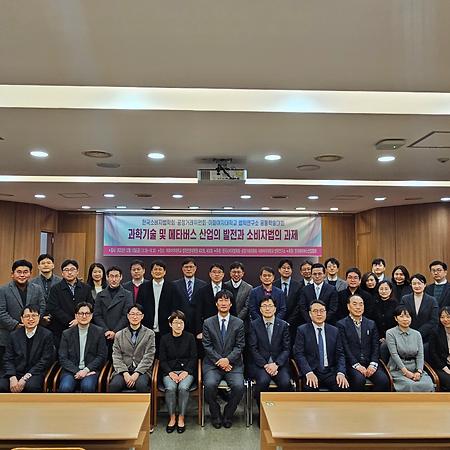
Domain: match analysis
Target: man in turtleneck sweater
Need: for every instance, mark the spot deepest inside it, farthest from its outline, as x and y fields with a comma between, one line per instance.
x=111, y=305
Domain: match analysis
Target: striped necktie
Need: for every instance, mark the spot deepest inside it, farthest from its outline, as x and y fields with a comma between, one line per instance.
x=189, y=290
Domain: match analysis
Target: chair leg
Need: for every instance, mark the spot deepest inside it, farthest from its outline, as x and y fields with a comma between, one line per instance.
x=247, y=421
x=250, y=401
x=202, y=394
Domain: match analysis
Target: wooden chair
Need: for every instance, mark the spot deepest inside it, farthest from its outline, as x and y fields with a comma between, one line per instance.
x=158, y=391
x=48, y=379
x=100, y=383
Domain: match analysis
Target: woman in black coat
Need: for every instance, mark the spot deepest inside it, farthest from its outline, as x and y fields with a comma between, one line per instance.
x=401, y=282
x=440, y=349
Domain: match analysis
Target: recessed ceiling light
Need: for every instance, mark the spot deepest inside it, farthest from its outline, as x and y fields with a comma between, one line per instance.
x=121, y=207
x=227, y=207
x=85, y=207
x=445, y=199
x=300, y=208
x=39, y=154
x=156, y=155
x=156, y=207
x=313, y=197
x=308, y=167
x=40, y=195
x=334, y=209
x=246, y=197
x=328, y=158
x=387, y=158
x=379, y=199
x=265, y=208
x=97, y=154
x=177, y=196
x=272, y=157
x=194, y=207
x=109, y=195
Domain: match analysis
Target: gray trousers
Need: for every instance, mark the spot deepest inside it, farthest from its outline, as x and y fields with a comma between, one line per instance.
x=183, y=394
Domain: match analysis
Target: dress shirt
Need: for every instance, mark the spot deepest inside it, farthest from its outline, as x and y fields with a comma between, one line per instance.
x=31, y=333
x=318, y=289
x=417, y=302
x=157, y=288
x=285, y=283
x=227, y=319
x=216, y=287
x=236, y=285
x=316, y=330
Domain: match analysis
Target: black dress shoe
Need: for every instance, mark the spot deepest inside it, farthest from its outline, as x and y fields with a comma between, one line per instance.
x=216, y=422
x=181, y=429
x=170, y=428
x=227, y=423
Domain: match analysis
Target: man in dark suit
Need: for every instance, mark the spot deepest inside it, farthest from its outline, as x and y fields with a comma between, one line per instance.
x=14, y=296
x=186, y=288
x=290, y=287
x=362, y=348
x=30, y=352
x=319, y=290
x=379, y=269
x=332, y=268
x=440, y=289
x=111, y=306
x=46, y=278
x=63, y=298
x=319, y=353
x=223, y=343
x=82, y=352
x=137, y=271
x=305, y=273
x=270, y=347
x=266, y=290
x=239, y=288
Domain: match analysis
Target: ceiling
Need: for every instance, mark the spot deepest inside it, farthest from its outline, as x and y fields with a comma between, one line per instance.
x=246, y=48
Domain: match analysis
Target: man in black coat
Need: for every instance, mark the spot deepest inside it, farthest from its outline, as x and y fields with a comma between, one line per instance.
x=440, y=289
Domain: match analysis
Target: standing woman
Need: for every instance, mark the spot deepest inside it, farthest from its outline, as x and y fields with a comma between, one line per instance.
x=385, y=304
x=178, y=361
x=406, y=361
x=96, y=278
x=401, y=282
x=369, y=283
x=440, y=349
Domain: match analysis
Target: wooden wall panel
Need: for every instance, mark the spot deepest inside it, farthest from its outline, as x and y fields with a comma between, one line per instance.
x=71, y=246
x=7, y=237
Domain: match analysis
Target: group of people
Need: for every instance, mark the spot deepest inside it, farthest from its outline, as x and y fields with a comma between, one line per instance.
x=335, y=329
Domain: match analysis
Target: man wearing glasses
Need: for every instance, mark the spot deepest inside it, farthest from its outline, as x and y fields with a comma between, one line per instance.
x=82, y=352
x=319, y=353
x=29, y=354
x=440, y=289
x=133, y=354
x=63, y=298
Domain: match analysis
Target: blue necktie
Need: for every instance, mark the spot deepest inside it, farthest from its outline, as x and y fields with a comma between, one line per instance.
x=269, y=331
x=223, y=330
x=189, y=290
x=134, y=338
x=285, y=288
x=321, y=350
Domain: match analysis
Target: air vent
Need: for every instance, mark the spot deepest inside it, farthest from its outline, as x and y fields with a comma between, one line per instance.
x=6, y=195
x=97, y=154
x=308, y=167
x=108, y=165
x=74, y=195
x=143, y=195
x=412, y=199
x=279, y=197
x=347, y=197
x=328, y=158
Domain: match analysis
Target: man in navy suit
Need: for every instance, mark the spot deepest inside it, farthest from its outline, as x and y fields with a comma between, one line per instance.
x=269, y=343
x=186, y=288
x=440, y=289
x=319, y=290
x=362, y=348
x=290, y=287
x=266, y=290
x=319, y=353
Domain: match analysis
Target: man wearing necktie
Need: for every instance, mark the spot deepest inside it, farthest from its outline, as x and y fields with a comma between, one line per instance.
x=319, y=352
x=223, y=343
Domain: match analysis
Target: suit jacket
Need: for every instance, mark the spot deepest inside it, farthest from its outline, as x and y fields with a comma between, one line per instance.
x=129, y=286
x=257, y=293
x=444, y=300
x=428, y=318
x=261, y=350
x=95, y=351
x=231, y=348
x=340, y=284
x=362, y=351
x=439, y=349
x=61, y=304
x=142, y=354
x=205, y=306
x=42, y=353
x=11, y=306
x=188, y=307
x=241, y=300
x=328, y=295
x=343, y=296
x=306, y=349
x=111, y=313
x=293, y=295
x=38, y=281
x=167, y=305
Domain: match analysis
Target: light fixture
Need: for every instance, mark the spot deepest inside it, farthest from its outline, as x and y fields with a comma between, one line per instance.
x=227, y=207
x=39, y=154
x=313, y=197
x=156, y=155
x=194, y=207
x=328, y=158
x=308, y=167
x=265, y=208
x=177, y=196
x=85, y=207
x=272, y=157
x=156, y=207
x=121, y=207
x=387, y=158
x=109, y=195
x=334, y=209
x=40, y=195
x=97, y=154
x=246, y=197
x=379, y=199
x=300, y=208
x=445, y=199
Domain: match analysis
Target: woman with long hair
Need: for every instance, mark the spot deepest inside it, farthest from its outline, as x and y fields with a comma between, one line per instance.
x=96, y=278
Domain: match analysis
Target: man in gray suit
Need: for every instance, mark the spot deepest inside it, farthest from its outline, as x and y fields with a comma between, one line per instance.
x=14, y=296
x=332, y=268
x=239, y=288
x=223, y=341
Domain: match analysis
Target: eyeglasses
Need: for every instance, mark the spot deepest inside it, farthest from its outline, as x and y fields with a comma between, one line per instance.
x=437, y=270
x=318, y=311
x=84, y=314
x=30, y=316
x=69, y=269
x=135, y=314
x=267, y=306
x=22, y=272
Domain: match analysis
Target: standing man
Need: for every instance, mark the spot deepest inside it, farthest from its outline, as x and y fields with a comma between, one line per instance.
x=223, y=342
x=82, y=352
x=239, y=288
x=290, y=287
x=305, y=272
x=379, y=269
x=266, y=290
x=319, y=353
x=14, y=296
x=63, y=298
x=29, y=354
x=186, y=288
x=137, y=271
x=332, y=268
x=362, y=348
x=440, y=289
x=46, y=278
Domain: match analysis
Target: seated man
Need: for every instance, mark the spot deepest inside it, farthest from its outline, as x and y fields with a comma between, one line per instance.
x=82, y=352
x=319, y=353
x=223, y=342
x=30, y=352
x=269, y=350
x=361, y=347
x=133, y=354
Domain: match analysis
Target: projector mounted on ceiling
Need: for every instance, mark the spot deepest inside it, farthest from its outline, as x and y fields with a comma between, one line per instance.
x=222, y=174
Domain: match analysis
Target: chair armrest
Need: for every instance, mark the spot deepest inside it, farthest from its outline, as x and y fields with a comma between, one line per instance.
x=434, y=376
x=295, y=373
x=385, y=367
x=102, y=376
x=56, y=379
x=49, y=376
